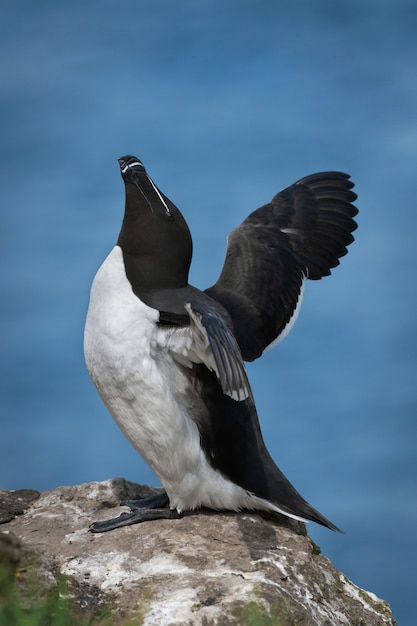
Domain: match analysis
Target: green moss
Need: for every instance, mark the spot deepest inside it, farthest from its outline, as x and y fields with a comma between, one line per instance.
x=254, y=614
x=315, y=549
x=19, y=605
x=143, y=608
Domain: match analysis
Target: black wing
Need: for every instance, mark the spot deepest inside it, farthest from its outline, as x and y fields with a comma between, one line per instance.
x=300, y=234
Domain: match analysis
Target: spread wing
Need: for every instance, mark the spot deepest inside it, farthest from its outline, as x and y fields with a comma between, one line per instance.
x=300, y=234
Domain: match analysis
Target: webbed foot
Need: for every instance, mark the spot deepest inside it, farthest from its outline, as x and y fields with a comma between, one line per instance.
x=151, y=502
x=141, y=510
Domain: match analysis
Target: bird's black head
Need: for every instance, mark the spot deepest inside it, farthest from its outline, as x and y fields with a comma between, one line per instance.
x=131, y=169
x=133, y=173
x=154, y=237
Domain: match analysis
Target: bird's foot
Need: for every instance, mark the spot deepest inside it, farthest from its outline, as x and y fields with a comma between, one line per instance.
x=141, y=510
x=151, y=502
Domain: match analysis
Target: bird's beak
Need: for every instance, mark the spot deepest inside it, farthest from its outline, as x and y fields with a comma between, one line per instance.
x=130, y=169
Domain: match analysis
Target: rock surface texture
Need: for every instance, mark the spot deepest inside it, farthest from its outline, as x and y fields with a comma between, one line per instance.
x=206, y=568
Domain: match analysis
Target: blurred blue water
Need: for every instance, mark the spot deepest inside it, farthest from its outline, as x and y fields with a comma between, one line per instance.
x=226, y=103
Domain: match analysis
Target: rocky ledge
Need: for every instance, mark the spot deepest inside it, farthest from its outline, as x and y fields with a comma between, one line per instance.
x=206, y=568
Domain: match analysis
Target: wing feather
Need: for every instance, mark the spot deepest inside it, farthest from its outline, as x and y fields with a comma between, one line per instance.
x=302, y=232
x=215, y=341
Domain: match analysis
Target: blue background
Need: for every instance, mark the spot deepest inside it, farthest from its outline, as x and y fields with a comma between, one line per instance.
x=226, y=102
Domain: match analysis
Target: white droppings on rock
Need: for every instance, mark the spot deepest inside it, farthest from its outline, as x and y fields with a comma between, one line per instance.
x=276, y=563
x=359, y=594
x=78, y=536
x=114, y=568
x=175, y=609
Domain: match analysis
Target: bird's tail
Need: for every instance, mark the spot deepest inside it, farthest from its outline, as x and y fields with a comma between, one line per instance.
x=282, y=497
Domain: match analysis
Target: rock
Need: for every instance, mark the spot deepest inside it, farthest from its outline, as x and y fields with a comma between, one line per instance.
x=207, y=568
x=14, y=503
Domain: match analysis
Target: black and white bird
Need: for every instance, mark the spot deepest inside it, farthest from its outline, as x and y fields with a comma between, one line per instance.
x=168, y=359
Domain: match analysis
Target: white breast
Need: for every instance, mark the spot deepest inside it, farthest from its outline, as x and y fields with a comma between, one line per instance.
x=119, y=344
x=150, y=395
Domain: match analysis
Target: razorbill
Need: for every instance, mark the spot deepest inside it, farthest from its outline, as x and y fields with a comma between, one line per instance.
x=168, y=359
